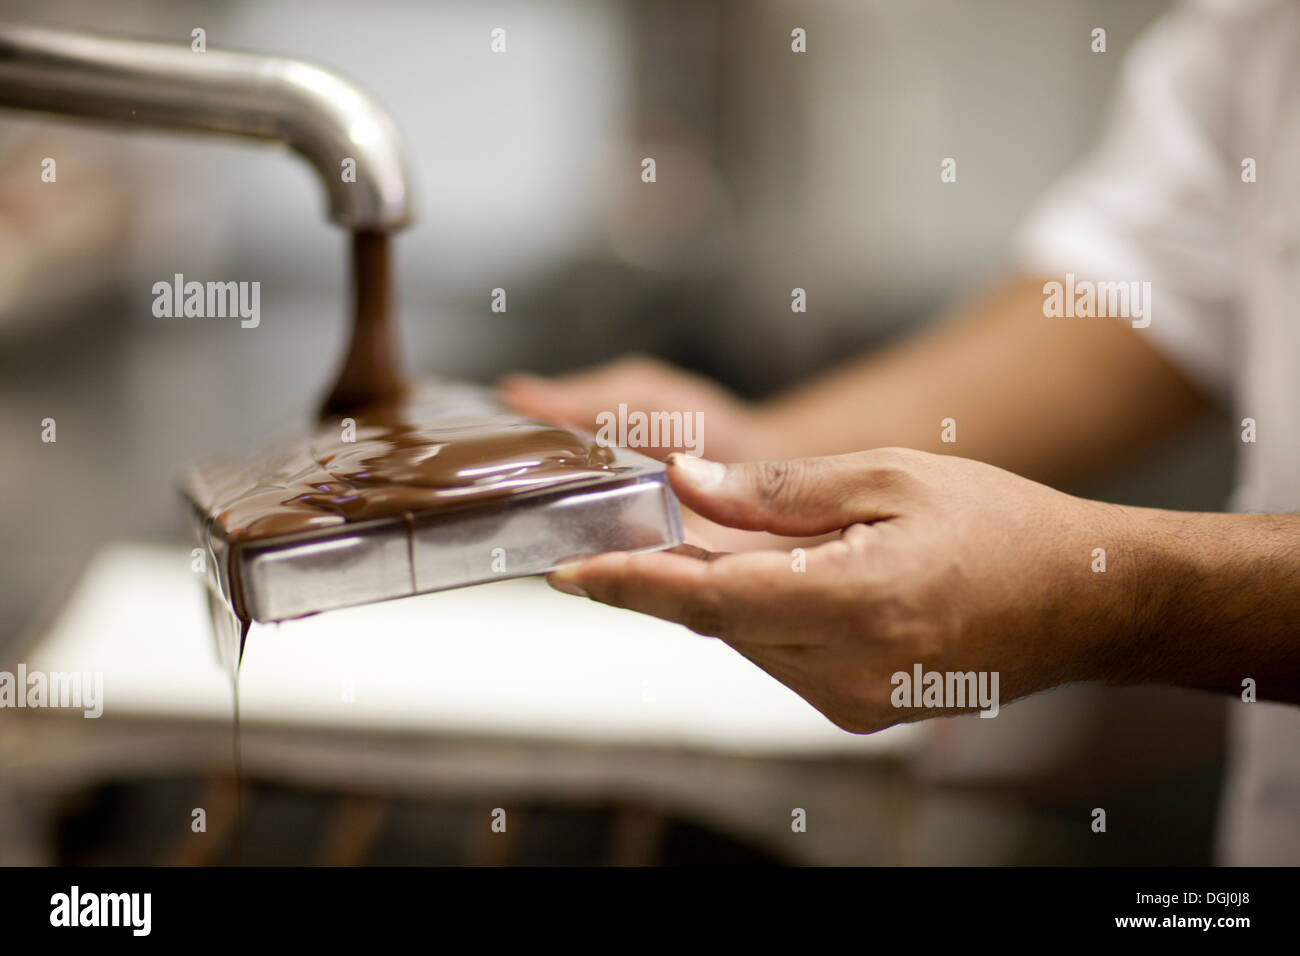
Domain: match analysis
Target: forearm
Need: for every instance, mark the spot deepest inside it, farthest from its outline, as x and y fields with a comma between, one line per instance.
x=1216, y=600
x=1049, y=398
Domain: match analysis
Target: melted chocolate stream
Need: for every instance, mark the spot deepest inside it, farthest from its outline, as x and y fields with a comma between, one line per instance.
x=371, y=369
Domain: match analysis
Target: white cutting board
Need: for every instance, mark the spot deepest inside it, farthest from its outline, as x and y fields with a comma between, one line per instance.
x=510, y=658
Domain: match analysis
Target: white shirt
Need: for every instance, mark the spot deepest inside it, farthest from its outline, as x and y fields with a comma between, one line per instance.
x=1212, y=86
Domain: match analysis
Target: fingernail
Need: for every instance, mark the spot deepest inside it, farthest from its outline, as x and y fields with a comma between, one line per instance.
x=700, y=472
x=562, y=580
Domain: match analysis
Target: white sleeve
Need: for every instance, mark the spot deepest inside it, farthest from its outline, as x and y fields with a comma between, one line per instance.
x=1152, y=202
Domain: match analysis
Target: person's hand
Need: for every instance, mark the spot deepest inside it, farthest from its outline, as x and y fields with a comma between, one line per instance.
x=945, y=563
x=728, y=425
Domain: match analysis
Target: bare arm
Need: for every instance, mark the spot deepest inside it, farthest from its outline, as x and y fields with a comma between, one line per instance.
x=1048, y=398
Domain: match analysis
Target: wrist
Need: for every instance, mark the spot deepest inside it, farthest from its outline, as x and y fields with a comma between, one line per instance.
x=1155, y=562
x=1116, y=587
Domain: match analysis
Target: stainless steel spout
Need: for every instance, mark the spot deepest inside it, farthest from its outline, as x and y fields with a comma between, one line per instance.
x=321, y=116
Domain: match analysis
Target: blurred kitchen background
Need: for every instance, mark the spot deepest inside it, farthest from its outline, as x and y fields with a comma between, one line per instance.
x=775, y=170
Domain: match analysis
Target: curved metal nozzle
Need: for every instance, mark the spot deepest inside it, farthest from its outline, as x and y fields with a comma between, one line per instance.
x=313, y=111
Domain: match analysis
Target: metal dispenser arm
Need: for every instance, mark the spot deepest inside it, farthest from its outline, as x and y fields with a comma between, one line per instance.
x=315, y=112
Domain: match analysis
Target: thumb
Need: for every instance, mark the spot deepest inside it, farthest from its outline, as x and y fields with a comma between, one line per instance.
x=803, y=497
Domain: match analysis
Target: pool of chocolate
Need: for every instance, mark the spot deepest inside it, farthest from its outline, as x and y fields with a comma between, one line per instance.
x=409, y=455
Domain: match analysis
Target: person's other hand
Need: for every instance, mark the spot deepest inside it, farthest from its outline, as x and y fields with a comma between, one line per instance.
x=729, y=427
x=941, y=562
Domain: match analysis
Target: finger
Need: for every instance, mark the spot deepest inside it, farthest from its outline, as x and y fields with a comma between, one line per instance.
x=732, y=596
x=554, y=401
x=803, y=497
